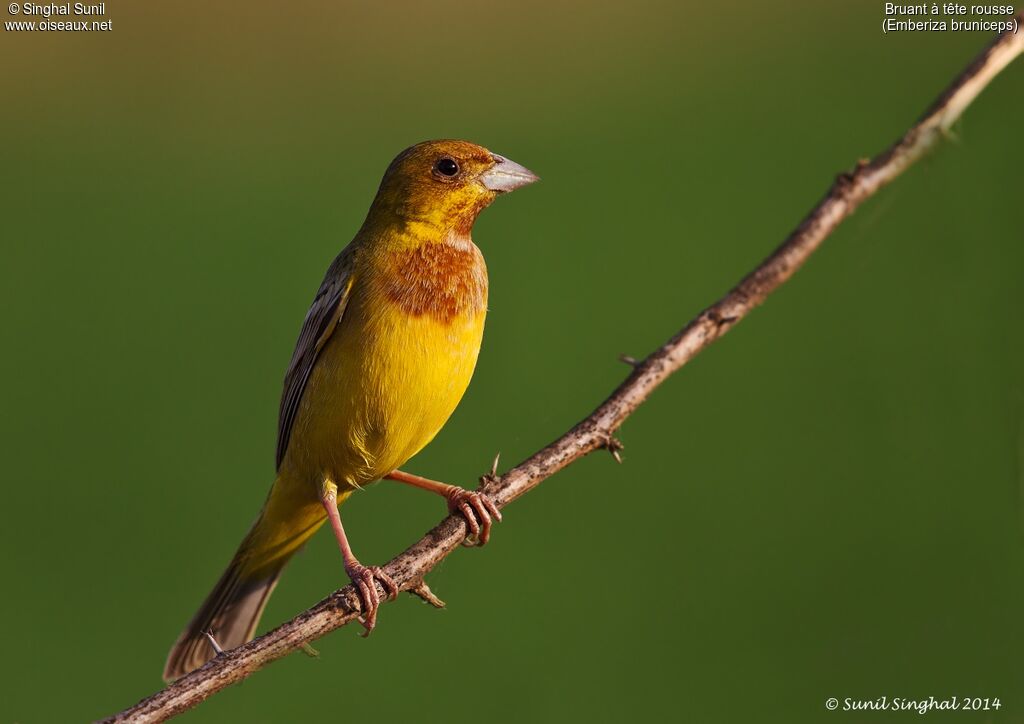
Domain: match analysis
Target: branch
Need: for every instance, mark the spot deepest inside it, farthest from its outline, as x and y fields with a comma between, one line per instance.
x=597, y=429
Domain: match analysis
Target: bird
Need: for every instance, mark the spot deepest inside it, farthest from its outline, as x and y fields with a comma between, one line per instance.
x=384, y=356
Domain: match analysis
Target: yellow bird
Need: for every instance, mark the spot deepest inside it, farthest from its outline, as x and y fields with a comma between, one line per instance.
x=385, y=354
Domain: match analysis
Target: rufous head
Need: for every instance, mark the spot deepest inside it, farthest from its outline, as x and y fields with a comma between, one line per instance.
x=446, y=184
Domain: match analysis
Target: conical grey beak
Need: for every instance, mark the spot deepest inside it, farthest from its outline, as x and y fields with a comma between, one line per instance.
x=507, y=175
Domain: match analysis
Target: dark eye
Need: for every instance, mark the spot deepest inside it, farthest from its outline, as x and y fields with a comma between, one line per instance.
x=447, y=167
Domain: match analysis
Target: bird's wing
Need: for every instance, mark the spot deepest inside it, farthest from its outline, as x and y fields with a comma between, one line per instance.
x=321, y=320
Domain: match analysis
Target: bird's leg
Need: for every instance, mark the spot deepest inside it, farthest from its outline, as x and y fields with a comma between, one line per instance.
x=363, y=578
x=475, y=507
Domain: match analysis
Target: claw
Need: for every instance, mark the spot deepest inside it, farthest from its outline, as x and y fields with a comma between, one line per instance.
x=471, y=521
x=389, y=583
x=365, y=580
x=478, y=511
x=480, y=508
x=492, y=507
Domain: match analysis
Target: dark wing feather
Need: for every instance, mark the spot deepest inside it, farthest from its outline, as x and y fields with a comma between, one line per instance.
x=321, y=320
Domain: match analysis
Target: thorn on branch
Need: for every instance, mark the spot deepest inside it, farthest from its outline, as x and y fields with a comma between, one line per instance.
x=422, y=590
x=213, y=642
x=631, y=361
x=309, y=650
x=844, y=181
x=492, y=476
x=847, y=179
x=613, y=445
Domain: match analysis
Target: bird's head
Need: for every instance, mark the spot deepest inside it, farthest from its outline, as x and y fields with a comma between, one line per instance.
x=445, y=184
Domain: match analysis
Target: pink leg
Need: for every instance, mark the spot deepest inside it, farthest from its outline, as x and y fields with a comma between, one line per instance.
x=363, y=578
x=475, y=507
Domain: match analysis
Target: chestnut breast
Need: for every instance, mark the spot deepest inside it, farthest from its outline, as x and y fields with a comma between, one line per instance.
x=443, y=280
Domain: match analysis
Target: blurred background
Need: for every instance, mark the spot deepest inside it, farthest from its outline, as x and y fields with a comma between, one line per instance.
x=825, y=503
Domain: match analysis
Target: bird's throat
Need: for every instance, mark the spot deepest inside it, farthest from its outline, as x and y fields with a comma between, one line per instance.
x=446, y=280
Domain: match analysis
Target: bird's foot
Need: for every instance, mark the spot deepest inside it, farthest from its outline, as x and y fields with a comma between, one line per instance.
x=365, y=578
x=478, y=510
x=475, y=507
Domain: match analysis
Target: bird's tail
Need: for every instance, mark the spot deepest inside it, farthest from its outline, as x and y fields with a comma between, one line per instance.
x=232, y=610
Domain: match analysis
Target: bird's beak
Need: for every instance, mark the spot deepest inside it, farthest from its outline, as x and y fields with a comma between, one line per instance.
x=507, y=175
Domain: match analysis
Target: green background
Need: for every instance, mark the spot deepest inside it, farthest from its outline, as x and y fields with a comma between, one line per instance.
x=825, y=503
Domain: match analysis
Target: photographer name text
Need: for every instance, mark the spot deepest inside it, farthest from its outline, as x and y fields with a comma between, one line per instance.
x=52, y=9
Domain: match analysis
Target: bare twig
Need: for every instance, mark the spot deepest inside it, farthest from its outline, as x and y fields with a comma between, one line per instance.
x=597, y=429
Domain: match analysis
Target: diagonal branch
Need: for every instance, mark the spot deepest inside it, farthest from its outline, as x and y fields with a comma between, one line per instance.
x=597, y=429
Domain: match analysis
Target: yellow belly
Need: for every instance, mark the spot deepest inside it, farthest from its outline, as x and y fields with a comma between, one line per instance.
x=383, y=386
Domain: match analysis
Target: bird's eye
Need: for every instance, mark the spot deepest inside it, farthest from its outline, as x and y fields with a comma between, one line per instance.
x=447, y=167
